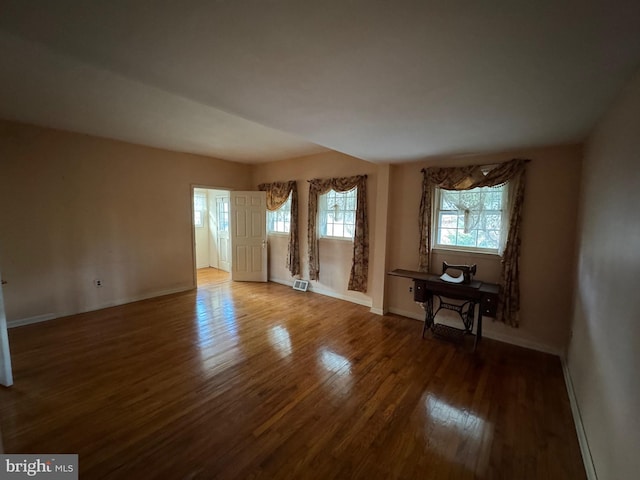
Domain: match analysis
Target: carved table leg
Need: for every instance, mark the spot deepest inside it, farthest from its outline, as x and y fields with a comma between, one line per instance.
x=428, y=317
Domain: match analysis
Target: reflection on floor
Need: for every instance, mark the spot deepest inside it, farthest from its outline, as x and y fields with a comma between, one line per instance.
x=211, y=276
x=247, y=380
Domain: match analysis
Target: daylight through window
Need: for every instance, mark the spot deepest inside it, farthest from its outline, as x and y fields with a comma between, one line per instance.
x=470, y=219
x=199, y=209
x=222, y=205
x=337, y=211
x=279, y=221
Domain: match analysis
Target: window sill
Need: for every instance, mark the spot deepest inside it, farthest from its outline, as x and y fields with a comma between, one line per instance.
x=339, y=239
x=277, y=234
x=466, y=253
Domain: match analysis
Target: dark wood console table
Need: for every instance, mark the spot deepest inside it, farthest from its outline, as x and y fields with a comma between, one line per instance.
x=427, y=285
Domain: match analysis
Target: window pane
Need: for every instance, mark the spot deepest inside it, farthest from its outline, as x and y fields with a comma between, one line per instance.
x=467, y=239
x=350, y=218
x=448, y=200
x=336, y=212
x=492, y=221
x=199, y=208
x=469, y=198
x=197, y=218
x=498, y=200
x=470, y=218
x=279, y=221
x=447, y=236
x=488, y=239
x=349, y=230
x=448, y=221
x=330, y=229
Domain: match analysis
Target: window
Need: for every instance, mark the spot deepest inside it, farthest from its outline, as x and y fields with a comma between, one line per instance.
x=470, y=219
x=222, y=205
x=279, y=221
x=337, y=212
x=199, y=209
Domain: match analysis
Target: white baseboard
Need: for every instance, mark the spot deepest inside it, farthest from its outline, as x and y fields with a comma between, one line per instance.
x=522, y=342
x=513, y=340
x=407, y=313
x=288, y=283
x=329, y=293
x=378, y=311
x=114, y=303
x=29, y=320
x=159, y=293
x=587, y=459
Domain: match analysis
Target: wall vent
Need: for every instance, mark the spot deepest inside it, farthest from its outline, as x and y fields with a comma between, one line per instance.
x=301, y=285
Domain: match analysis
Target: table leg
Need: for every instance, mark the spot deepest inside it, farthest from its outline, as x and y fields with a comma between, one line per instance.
x=478, y=330
x=428, y=316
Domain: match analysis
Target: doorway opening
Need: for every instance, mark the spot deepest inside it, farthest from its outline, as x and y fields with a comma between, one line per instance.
x=211, y=216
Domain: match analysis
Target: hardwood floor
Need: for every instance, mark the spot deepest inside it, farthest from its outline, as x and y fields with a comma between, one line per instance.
x=245, y=380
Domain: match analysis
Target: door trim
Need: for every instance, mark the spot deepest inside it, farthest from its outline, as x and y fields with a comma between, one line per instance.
x=193, y=186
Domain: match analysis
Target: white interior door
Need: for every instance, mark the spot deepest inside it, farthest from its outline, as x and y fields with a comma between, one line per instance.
x=6, y=373
x=249, y=236
x=224, y=244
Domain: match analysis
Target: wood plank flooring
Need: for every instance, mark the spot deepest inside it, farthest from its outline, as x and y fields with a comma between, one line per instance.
x=245, y=380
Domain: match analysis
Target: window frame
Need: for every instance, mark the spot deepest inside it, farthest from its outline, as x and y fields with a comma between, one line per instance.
x=223, y=213
x=275, y=212
x=323, y=214
x=201, y=211
x=504, y=226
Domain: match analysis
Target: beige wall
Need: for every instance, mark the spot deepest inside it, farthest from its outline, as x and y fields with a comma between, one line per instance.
x=74, y=208
x=335, y=254
x=604, y=354
x=548, y=240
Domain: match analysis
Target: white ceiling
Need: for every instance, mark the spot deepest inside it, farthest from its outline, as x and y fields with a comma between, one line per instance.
x=258, y=80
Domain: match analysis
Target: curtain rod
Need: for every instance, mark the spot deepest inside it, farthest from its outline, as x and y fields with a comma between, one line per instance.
x=365, y=176
x=526, y=160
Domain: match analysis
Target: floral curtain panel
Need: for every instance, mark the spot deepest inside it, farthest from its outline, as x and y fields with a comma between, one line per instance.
x=466, y=178
x=277, y=195
x=360, y=263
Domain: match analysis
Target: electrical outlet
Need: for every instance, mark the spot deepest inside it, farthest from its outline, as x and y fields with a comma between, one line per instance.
x=97, y=283
x=410, y=289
